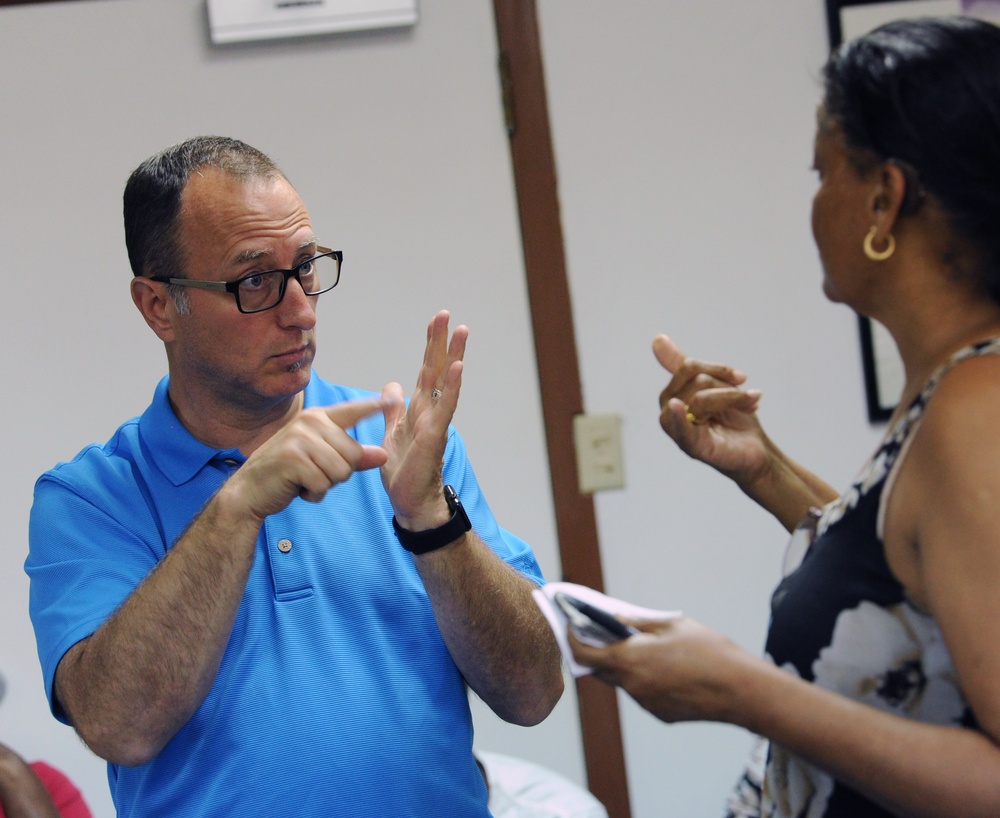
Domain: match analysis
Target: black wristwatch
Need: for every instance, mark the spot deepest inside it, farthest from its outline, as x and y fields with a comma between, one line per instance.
x=421, y=542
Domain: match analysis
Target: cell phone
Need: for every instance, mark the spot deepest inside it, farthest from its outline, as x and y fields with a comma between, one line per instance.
x=590, y=623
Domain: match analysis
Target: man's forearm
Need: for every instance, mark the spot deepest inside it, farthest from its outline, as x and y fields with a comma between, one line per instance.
x=496, y=633
x=129, y=687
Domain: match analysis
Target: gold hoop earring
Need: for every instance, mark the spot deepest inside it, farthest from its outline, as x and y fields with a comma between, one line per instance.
x=878, y=255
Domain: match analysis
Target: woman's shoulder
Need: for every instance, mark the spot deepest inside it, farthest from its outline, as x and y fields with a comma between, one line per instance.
x=968, y=391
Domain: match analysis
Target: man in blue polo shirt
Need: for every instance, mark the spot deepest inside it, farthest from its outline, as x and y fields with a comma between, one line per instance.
x=265, y=596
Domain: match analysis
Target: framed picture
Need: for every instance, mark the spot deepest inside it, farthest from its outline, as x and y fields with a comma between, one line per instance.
x=846, y=19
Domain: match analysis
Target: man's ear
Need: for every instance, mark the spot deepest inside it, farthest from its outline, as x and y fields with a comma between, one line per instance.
x=152, y=298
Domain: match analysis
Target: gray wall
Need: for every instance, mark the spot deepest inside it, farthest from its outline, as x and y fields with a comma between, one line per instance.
x=683, y=135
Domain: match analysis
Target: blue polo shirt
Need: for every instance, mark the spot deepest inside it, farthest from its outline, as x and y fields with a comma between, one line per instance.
x=336, y=695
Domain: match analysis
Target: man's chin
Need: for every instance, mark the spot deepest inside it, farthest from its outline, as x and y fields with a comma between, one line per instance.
x=289, y=381
x=301, y=364
x=299, y=374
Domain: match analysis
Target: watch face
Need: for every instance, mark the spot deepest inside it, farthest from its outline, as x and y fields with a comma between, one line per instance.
x=456, y=506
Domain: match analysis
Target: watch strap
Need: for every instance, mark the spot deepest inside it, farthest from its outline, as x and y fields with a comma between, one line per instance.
x=431, y=539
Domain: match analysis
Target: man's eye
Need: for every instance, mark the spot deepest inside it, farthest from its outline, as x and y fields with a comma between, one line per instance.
x=253, y=282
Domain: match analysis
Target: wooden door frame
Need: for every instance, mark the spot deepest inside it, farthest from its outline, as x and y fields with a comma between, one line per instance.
x=526, y=108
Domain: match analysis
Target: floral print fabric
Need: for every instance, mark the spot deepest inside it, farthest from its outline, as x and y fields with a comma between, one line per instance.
x=841, y=620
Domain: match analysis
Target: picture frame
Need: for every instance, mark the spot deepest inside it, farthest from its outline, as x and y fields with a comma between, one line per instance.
x=846, y=19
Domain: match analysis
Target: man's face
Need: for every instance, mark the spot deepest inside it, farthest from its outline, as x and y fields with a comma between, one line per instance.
x=230, y=228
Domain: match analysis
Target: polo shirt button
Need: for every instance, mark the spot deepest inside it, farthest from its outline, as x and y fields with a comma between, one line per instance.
x=284, y=546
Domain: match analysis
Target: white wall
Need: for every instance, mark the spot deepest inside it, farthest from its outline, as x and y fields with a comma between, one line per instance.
x=683, y=141
x=683, y=135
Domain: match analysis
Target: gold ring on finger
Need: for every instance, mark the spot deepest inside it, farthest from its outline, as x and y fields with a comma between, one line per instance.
x=692, y=418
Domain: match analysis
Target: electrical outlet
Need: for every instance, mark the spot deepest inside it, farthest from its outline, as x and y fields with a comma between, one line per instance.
x=598, y=443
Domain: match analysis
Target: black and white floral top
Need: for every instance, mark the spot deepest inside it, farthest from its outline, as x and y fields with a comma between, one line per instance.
x=840, y=619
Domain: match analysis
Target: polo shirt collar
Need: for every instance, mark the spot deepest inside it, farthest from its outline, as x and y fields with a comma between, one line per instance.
x=175, y=451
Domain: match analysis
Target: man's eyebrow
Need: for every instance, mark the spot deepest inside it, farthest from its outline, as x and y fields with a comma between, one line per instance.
x=253, y=255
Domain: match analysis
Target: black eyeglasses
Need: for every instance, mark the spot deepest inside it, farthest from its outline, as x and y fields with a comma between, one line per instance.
x=257, y=292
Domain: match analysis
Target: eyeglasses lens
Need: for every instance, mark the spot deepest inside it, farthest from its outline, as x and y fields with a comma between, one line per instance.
x=265, y=290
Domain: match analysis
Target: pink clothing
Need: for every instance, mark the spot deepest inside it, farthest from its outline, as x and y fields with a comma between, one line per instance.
x=65, y=795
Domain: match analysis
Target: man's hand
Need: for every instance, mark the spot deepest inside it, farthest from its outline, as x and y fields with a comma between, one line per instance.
x=495, y=633
x=416, y=436
x=307, y=457
x=130, y=686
